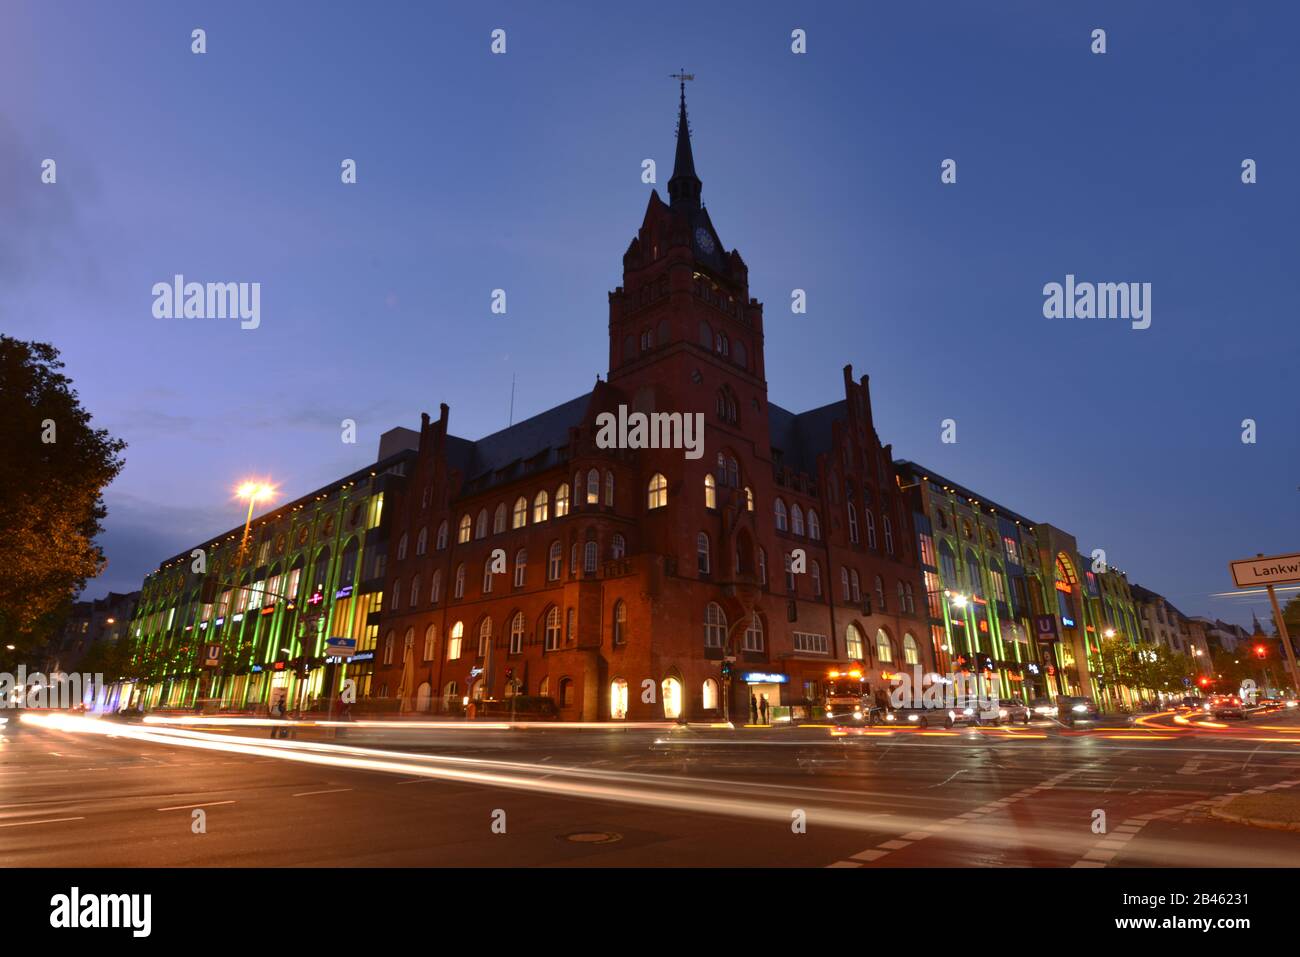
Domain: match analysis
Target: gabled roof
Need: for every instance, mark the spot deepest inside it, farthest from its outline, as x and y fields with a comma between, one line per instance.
x=801, y=437
x=521, y=441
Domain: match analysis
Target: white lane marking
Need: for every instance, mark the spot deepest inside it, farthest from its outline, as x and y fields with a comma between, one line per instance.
x=186, y=807
x=327, y=791
x=51, y=820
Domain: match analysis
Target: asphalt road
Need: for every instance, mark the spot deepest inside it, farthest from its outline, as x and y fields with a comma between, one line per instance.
x=79, y=793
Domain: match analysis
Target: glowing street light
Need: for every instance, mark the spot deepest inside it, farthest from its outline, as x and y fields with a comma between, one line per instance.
x=252, y=490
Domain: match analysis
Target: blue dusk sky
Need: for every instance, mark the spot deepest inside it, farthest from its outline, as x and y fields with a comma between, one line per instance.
x=522, y=171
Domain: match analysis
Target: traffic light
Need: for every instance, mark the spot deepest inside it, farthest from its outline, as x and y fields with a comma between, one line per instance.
x=726, y=669
x=1260, y=651
x=1204, y=682
x=510, y=675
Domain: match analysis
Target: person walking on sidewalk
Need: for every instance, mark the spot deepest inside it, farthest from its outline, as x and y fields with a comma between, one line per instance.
x=762, y=707
x=753, y=709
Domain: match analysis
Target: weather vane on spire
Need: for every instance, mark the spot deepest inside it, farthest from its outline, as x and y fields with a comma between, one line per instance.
x=683, y=76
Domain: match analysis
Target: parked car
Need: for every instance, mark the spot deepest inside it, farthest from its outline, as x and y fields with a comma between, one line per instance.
x=1075, y=709
x=1043, y=707
x=1014, y=712
x=1227, y=706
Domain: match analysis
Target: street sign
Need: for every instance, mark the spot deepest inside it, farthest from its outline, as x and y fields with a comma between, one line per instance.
x=1266, y=570
x=1045, y=628
x=341, y=647
x=211, y=656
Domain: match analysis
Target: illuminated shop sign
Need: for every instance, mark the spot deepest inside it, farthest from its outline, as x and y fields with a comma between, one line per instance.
x=764, y=678
x=343, y=592
x=1067, y=622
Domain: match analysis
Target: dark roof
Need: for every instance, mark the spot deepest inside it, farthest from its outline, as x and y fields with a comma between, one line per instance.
x=521, y=441
x=934, y=476
x=801, y=437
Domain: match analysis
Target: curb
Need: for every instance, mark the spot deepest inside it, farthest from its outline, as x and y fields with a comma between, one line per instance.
x=1254, y=821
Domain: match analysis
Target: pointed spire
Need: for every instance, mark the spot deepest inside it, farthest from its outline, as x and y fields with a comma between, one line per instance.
x=684, y=187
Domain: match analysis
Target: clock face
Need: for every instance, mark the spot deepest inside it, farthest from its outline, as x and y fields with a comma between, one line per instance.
x=703, y=240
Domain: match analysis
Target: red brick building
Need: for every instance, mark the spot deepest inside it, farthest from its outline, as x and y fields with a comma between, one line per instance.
x=625, y=578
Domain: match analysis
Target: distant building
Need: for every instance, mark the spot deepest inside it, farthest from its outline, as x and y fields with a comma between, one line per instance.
x=102, y=619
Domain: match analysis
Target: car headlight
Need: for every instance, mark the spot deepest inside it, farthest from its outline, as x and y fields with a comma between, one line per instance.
x=1002, y=712
x=1291, y=704
x=890, y=717
x=969, y=711
x=1080, y=708
x=952, y=714
x=913, y=717
x=857, y=714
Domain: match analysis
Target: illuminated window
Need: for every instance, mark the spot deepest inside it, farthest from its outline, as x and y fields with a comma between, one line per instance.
x=617, y=546
x=911, y=653
x=749, y=499
x=715, y=626
x=462, y=532
x=593, y=487
x=552, y=629
x=430, y=640
x=541, y=507
x=562, y=501
x=754, y=634
x=657, y=491
x=454, y=641
x=884, y=650
x=517, y=633
x=519, y=518
x=618, y=698
x=710, y=694
x=853, y=643
x=672, y=691
x=710, y=491
x=484, y=637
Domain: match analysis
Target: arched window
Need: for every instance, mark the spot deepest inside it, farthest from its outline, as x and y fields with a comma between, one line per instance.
x=617, y=546
x=459, y=591
x=519, y=514
x=845, y=594
x=430, y=642
x=401, y=547
x=973, y=574
x=487, y=576
x=422, y=541
x=462, y=532
x=440, y=541
x=389, y=640
x=570, y=617
x=415, y=591
x=749, y=499
x=911, y=652
x=657, y=491
x=396, y=596
x=857, y=587
x=789, y=573
x=871, y=528
x=573, y=559
x=796, y=519
x=880, y=595
x=618, y=698
x=754, y=634
x=853, y=523
x=715, y=626
x=553, y=628
x=884, y=650
x=710, y=491
x=484, y=637
x=672, y=691
x=562, y=501
x=902, y=597
x=814, y=526
x=454, y=641
x=816, y=570
x=544, y=687
x=762, y=567
x=782, y=522
x=554, y=561
x=499, y=519
x=609, y=489
x=710, y=694
x=541, y=507
x=620, y=622
x=702, y=553
x=435, y=590
x=593, y=487
x=480, y=524
x=517, y=633
x=521, y=567
x=889, y=535
x=853, y=648
x=590, y=555
x=911, y=602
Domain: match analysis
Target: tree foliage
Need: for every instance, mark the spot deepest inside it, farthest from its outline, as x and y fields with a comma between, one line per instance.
x=54, y=468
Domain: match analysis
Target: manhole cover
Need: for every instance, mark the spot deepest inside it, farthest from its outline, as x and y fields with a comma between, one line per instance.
x=592, y=837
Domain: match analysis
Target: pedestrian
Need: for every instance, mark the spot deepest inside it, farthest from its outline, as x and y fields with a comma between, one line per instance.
x=753, y=709
x=763, y=709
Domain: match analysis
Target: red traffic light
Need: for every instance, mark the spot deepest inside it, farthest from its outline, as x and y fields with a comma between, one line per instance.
x=1260, y=651
x=1204, y=681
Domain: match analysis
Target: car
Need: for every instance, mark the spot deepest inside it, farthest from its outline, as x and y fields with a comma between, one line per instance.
x=1193, y=701
x=976, y=713
x=1226, y=706
x=1014, y=712
x=1076, y=708
x=912, y=717
x=1043, y=707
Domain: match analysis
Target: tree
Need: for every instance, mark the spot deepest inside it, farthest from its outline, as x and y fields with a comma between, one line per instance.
x=53, y=471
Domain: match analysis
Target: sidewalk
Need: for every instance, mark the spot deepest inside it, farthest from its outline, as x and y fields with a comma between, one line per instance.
x=1278, y=811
